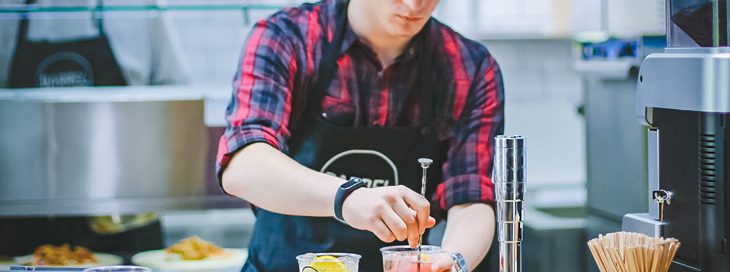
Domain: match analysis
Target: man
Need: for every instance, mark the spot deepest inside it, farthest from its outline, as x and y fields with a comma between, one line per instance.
x=362, y=89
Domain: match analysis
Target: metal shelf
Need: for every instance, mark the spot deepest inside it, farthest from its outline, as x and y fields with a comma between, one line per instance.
x=14, y=9
x=118, y=9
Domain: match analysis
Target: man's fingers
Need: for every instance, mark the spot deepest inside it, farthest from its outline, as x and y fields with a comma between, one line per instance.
x=431, y=222
x=409, y=217
x=395, y=224
x=421, y=206
x=382, y=231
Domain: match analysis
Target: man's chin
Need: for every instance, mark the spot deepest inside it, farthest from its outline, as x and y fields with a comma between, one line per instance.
x=405, y=31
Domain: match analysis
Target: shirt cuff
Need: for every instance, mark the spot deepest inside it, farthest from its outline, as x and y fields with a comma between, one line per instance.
x=463, y=189
x=236, y=138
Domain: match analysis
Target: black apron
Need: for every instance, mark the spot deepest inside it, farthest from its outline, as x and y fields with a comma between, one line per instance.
x=85, y=62
x=383, y=156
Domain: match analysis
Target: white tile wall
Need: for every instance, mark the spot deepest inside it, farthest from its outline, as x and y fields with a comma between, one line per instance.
x=542, y=90
x=509, y=17
x=212, y=41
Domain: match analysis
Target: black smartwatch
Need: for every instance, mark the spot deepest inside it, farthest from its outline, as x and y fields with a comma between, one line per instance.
x=345, y=190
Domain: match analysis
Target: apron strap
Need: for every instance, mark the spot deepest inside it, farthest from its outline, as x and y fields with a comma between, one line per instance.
x=425, y=88
x=99, y=16
x=425, y=77
x=22, y=34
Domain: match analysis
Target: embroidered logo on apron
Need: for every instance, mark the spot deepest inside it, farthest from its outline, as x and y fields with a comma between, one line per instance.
x=375, y=168
x=64, y=69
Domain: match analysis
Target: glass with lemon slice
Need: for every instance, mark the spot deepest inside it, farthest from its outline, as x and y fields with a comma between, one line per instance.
x=328, y=262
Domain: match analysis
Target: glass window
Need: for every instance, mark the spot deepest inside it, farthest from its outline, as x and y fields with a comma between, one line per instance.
x=698, y=23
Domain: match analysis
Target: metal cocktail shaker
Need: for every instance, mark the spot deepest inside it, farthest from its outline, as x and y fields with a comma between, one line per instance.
x=509, y=176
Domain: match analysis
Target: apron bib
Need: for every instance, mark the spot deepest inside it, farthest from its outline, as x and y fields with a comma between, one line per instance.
x=85, y=62
x=382, y=156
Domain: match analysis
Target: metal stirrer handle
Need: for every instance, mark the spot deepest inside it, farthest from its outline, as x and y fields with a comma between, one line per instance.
x=425, y=163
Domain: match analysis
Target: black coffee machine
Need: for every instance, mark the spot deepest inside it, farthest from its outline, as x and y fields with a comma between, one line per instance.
x=683, y=96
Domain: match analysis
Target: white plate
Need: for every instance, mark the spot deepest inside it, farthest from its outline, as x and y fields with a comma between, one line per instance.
x=102, y=259
x=5, y=264
x=159, y=259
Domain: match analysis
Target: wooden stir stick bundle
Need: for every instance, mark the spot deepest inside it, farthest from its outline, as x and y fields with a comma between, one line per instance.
x=633, y=252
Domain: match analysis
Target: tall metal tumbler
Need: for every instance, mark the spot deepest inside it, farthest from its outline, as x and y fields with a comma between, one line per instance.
x=509, y=178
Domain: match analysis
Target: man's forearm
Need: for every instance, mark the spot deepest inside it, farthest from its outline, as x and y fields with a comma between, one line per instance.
x=269, y=179
x=469, y=231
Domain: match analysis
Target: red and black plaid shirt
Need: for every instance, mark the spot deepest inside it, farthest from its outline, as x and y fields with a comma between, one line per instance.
x=283, y=52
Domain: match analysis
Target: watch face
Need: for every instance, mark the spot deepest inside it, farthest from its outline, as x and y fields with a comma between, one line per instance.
x=351, y=183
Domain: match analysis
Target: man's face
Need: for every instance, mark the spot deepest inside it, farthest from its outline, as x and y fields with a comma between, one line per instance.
x=402, y=17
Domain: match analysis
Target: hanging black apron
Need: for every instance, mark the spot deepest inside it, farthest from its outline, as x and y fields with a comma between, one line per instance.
x=383, y=156
x=85, y=62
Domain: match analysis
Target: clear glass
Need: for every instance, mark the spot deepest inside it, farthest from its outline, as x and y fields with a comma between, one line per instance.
x=118, y=268
x=328, y=262
x=405, y=258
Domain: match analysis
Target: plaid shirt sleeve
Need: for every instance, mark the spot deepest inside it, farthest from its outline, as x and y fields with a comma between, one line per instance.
x=467, y=171
x=261, y=102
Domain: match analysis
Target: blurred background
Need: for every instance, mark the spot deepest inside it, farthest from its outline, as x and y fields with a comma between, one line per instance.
x=569, y=67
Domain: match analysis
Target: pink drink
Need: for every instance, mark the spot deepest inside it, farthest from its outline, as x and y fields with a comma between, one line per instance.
x=405, y=266
x=405, y=259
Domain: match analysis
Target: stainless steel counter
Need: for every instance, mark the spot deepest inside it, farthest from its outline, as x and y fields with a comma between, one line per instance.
x=76, y=151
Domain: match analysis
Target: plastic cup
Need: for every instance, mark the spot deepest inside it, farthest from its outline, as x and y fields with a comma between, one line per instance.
x=328, y=262
x=405, y=259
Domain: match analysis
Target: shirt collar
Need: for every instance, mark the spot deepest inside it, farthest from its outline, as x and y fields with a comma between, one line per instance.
x=349, y=40
x=414, y=47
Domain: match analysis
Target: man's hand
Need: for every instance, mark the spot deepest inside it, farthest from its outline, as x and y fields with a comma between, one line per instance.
x=391, y=213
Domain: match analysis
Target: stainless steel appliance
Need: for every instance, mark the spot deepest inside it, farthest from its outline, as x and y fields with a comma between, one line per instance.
x=683, y=95
x=108, y=150
x=615, y=142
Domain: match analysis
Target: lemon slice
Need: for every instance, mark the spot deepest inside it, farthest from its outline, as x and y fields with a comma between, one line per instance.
x=328, y=264
x=425, y=257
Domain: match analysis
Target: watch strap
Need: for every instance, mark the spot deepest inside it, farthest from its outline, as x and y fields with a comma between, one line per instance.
x=459, y=262
x=343, y=192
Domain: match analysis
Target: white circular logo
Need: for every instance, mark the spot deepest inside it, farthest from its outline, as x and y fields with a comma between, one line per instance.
x=371, y=181
x=64, y=69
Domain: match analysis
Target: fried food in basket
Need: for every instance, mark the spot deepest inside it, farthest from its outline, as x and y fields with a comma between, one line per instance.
x=194, y=248
x=50, y=255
